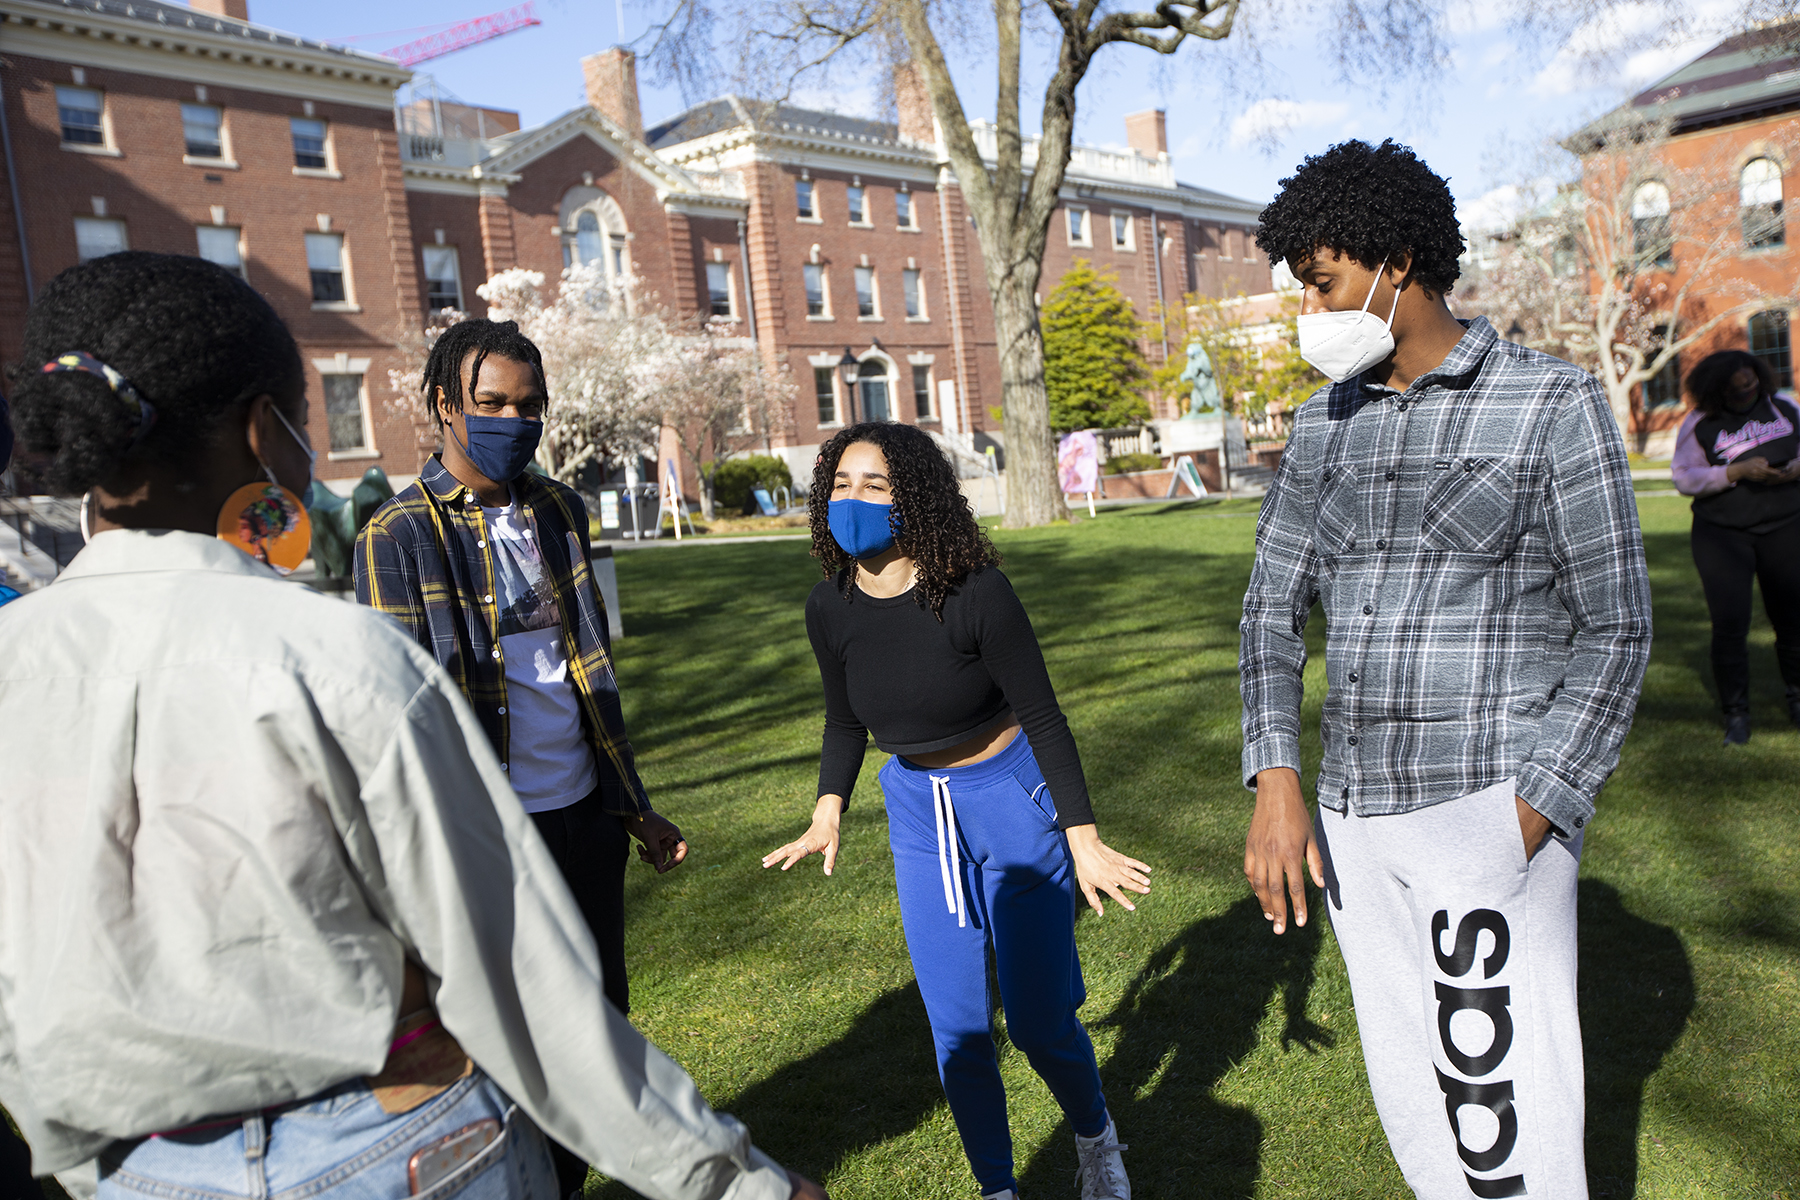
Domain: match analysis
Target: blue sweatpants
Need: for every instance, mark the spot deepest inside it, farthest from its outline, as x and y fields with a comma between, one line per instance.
x=982, y=867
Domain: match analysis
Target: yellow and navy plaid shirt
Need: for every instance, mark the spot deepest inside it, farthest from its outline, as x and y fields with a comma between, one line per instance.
x=425, y=559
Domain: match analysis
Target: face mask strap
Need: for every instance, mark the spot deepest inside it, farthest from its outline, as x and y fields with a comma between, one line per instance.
x=1375, y=283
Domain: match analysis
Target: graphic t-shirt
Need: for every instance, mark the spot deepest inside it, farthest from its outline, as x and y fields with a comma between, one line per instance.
x=550, y=762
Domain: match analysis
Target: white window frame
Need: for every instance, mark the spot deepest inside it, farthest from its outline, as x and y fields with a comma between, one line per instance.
x=824, y=313
x=861, y=197
x=455, y=260
x=731, y=313
x=916, y=296
x=829, y=374
x=1086, y=236
x=329, y=153
x=1129, y=244
x=104, y=146
x=874, y=294
x=237, y=238
x=343, y=364
x=94, y=222
x=223, y=158
x=812, y=217
x=911, y=224
x=930, y=413
x=348, y=303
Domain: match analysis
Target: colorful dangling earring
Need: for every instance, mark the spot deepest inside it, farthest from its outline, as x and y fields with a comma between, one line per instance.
x=267, y=522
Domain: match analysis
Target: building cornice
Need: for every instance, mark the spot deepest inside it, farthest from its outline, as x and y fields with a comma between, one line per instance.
x=823, y=149
x=214, y=52
x=664, y=176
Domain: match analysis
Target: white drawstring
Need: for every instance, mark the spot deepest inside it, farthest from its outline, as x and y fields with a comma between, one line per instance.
x=949, y=854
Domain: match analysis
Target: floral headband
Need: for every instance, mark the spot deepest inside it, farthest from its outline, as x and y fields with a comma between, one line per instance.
x=76, y=360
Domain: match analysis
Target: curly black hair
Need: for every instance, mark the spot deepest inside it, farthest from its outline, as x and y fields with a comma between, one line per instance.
x=1708, y=385
x=443, y=369
x=938, y=529
x=194, y=339
x=1371, y=203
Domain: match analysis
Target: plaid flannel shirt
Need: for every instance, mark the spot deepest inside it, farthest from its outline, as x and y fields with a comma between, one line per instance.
x=424, y=559
x=1474, y=543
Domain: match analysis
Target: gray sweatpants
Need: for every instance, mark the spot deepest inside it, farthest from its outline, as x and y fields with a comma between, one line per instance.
x=1461, y=958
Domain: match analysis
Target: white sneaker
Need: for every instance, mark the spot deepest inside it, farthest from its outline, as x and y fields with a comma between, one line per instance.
x=1008, y=1194
x=1102, y=1171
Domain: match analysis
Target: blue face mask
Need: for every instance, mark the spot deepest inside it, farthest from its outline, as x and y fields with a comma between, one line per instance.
x=501, y=447
x=863, y=529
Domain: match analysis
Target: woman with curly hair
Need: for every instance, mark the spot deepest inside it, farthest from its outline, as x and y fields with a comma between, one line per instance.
x=922, y=643
x=1738, y=456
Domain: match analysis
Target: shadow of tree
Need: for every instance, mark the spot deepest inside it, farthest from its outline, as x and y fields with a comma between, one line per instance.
x=1188, y=1017
x=1636, y=991
x=876, y=1082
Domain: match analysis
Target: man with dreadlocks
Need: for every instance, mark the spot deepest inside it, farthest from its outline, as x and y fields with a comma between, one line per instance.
x=1462, y=510
x=486, y=565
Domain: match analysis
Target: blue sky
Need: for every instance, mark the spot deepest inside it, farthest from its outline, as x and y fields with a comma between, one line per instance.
x=1232, y=127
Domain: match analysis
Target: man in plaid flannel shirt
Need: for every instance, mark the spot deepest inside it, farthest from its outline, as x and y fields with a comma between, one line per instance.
x=1462, y=510
x=486, y=565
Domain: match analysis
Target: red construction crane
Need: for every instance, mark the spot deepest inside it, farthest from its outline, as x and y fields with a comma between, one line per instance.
x=466, y=33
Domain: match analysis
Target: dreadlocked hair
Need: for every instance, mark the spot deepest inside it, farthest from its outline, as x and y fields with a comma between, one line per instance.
x=443, y=369
x=938, y=529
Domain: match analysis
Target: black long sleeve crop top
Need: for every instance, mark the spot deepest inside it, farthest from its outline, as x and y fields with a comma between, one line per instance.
x=891, y=669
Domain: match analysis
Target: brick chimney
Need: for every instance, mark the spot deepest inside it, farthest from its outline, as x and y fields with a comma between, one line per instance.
x=612, y=87
x=917, y=122
x=1148, y=132
x=236, y=9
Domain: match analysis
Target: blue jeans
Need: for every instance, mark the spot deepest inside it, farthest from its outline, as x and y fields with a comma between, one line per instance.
x=341, y=1145
x=997, y=878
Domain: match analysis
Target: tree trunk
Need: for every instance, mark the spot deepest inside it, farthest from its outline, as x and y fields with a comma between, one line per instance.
x=1033, y=494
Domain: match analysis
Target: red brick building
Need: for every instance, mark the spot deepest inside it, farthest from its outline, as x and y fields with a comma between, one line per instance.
x=159, y=126
x=162, y=127
x=1733, y=120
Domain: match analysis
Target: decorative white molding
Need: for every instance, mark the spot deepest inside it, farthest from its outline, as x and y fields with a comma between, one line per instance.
x=204, y=49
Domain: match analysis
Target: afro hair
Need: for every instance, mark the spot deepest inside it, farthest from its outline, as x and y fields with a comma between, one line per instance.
x=1370, y=203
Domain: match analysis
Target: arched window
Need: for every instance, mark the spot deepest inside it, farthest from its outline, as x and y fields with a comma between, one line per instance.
x=1652, y=234
x=872, y=380
x=1759, y=192
x=593, y=232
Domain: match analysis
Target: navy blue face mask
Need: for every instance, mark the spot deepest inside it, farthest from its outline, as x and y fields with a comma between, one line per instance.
x=501, y=447
x=864, y=529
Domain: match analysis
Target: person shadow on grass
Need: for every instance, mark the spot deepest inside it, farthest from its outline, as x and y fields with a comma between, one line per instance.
x=878, y=1081
x=1190, y=1015
x=1636, y=991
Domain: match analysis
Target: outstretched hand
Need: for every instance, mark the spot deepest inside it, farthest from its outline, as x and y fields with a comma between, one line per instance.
x=1100, y=868
x=821, y=837
x=1280, y=841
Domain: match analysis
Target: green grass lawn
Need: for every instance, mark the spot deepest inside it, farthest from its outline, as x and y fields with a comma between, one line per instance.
x=1230, y=1057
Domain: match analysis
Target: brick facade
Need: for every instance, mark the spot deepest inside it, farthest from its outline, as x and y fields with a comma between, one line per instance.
x=714, y=186
x=142, y=178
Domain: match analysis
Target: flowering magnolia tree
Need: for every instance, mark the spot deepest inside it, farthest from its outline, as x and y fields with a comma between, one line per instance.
x=618, y=369
x=605, y=358
x=1637, y=262
x=717, y=398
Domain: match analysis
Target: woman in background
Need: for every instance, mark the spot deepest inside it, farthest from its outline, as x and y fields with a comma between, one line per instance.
x=1738, y=455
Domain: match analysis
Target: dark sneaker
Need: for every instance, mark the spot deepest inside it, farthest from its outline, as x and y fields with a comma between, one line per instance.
x=1737, y=729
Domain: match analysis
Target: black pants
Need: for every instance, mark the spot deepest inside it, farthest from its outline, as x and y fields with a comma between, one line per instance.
x=591, y=848
x=1727, y=560
x=16, y=1182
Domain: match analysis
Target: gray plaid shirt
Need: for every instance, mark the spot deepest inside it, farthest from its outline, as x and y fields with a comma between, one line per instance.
x=1474, y=542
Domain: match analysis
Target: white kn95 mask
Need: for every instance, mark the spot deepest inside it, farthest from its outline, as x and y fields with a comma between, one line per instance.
x=1345, y=344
